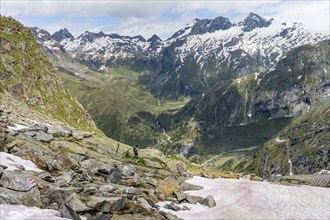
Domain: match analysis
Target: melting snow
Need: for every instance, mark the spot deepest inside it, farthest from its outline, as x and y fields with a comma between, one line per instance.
x=21, y=212
x=244, y=199
x=12, y=162
x=17, y=127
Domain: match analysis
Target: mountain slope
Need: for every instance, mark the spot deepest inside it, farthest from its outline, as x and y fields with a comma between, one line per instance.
x=256, y=106
x=305, y=142
x=204, y=54
x=29, y=76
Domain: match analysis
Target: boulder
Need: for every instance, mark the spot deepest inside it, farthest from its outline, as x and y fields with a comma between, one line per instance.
x=198, y=199
x=129, y=170
x=43, y=137
x=188, y=187
x=177, y=166
x=67, y=212
x=79, y=134
x=46, y=176
x=144, y=203
x=107, y=188
x=77, y=204
x=190, y=199
x=209, y=201
x=106, y=204
x=53, y=165
x=59, y=131
x=15, y=181
x=180, y=196
x=114, y=175
x=18, y=189
x=64, y=179
x=150, y=163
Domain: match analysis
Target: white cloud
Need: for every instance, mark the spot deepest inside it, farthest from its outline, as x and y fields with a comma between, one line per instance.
x=116, y=9
x=161, y=17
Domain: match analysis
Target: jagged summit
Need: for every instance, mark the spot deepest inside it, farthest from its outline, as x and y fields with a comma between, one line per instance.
x=202, y=26
x=62, y=34
x=253, y=21
x=154, y=38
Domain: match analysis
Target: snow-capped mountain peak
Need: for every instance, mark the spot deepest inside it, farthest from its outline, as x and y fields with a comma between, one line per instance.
x=62, y=35
x=202, y=26
x=253, y=21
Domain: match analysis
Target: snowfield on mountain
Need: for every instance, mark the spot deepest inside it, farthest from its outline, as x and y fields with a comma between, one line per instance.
x=245, y=199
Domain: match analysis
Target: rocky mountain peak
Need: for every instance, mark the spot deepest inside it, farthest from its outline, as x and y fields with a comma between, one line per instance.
x=154, y=38
x=90, y=36
x=210, y=25
x=253, y=21
x=202, y=26
x=62, y=34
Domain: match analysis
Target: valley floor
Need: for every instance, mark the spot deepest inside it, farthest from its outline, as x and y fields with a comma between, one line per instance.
x=244, y=199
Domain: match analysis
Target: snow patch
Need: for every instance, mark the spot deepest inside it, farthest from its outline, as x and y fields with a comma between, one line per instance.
x=17, y=127
x=21, y=212
x=280, y=140
x=12, y=162
x=244, y=199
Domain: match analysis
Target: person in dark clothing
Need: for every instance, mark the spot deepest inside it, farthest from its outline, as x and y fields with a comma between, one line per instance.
x=136, y=151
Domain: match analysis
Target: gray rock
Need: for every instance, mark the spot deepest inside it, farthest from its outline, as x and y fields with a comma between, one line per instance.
x=198, y=199
x=53, y=165
x=15, y=181
x=180, y=196
x=190, y=199
x=31, y=133
x=59, y=131
x=77, y=204
x=106, y=204
x=169, y=216
x=209, y=201
x=151, y=181
x=38, y=127
x=107, y=188
x=105, y=169
x=172, y=206
x=101, y=217
x=188, y=187
x=28, y=198
x=2, y=108
x=64, y=179
x=144, y=203
x=150, y=163
x=133, y=191
x=46, y=176
x=114, y=175
x=129, y=170
x=79, y=134
x=67, y=212
x=18, y=189
x=90, y=164
x=43, y=137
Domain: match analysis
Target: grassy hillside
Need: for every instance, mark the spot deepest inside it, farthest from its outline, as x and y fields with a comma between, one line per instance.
x=121, y=107
x=29, y=76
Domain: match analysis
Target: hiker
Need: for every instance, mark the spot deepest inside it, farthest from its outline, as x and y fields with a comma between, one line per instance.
x=136, y=151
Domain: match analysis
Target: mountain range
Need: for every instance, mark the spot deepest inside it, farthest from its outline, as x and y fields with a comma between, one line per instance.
x=246, y=82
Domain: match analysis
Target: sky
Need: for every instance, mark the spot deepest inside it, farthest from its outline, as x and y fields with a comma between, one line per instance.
x=162, y=17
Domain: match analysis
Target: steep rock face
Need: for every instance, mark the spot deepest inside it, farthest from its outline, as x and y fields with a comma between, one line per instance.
x=305, y=142
x=298, y=82
x=256, y=106
x=253, y=21
x=28, y=75
x=62, y=35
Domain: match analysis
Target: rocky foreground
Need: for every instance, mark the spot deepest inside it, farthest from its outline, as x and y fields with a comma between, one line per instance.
x=50, y=165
